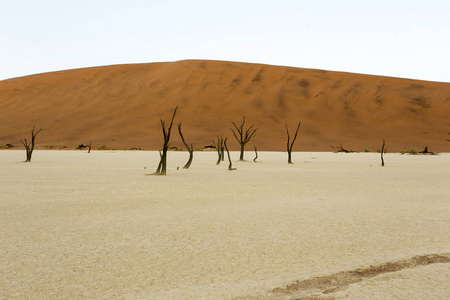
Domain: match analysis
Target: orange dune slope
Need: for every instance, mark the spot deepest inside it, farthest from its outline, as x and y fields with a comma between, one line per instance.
x=120, y=107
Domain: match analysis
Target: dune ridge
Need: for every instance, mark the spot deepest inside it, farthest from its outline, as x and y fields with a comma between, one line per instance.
x=119, y=106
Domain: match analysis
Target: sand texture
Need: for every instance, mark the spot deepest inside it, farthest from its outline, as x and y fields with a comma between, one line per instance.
x=75, y=225
x=120, y=106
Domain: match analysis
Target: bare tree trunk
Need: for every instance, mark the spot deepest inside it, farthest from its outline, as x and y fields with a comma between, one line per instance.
x=190, y=149
x=191, y=157
x=341, y=149
x=289, y=146
x=382, y=152
x=162, y=168
x=256, y=153
x=219, y=148
x=29, y=147
x=158, y=170
x=90, y=146
x=230, y=165
x=243, y=136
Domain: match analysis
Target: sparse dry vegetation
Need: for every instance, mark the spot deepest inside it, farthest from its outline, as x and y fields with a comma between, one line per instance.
x=425, y=151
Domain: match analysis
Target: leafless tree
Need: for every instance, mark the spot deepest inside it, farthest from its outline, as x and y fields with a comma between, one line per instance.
x=256, y=154
x=341, y=149
x=220, y=149
x=383, y=150
x=426, y=151
x=29, y=146
x=189, y=148
x=243, y=135
x=289, y=146
x=230, y=165
x=162, y=167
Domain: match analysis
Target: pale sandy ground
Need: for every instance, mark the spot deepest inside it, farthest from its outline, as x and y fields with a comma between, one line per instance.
x=76, y=225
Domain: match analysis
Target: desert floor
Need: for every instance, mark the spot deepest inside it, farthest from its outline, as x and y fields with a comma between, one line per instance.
x=331, y=226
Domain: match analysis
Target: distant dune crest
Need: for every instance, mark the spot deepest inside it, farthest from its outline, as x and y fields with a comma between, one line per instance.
x=119, y=107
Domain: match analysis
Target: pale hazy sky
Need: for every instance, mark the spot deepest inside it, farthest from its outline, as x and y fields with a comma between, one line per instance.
x=398, y=38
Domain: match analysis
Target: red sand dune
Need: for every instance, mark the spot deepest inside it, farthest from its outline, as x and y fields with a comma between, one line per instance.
x=120, y=107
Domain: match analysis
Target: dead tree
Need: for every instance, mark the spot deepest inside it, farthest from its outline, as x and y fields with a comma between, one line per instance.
x=289, y=146
x=90, y=146
x=243, y=136
x=230, y=165
x=383, y=150
x=426, y=151
x=162, y=167
x=190, y=149
x=341, y=149
x=256, y=153
x=80, y=147
x=220, y=149
x=29, y=147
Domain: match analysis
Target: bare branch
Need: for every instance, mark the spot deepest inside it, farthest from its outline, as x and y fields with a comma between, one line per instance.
x=295, y=136
x=250, y=136
x=235, y=135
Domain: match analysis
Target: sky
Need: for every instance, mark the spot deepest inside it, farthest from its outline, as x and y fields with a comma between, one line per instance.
x=409, y=39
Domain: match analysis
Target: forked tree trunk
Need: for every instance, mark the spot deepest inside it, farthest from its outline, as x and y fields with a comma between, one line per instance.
x=289, y=146
x=162, y=167
x=190, y=149
x=29, y=147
